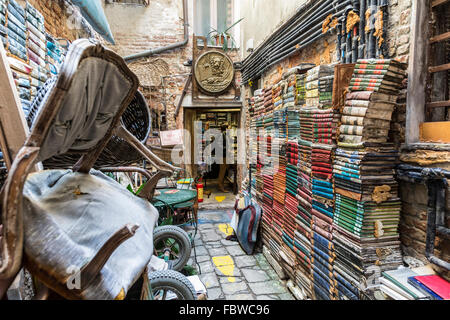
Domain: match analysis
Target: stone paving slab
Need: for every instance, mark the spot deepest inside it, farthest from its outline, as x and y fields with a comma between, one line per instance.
x=235, y=287
x=255, y=275
x=240, y=297
x=235, y=250
x=267, y=287
x=245, y=261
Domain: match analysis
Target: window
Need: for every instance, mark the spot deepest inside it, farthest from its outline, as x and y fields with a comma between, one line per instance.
x=216, y=14
x=438, y=100
x=428, y=118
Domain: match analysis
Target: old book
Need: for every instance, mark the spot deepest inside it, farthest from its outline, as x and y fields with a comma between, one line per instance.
x=400, y=277
x=380, y=66
x=384, y=105
x=375, y=82
x=372, y=96
x=366, y=122
x=395, y=63
x=349, y=138
x=365, y=132
x=368, y=113
x=363, y=87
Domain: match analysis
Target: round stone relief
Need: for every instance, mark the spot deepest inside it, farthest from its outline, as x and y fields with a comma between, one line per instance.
x=214, y=72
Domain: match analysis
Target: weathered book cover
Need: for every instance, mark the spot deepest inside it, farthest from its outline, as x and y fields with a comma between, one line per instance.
x=368, y=113
x=372, y=96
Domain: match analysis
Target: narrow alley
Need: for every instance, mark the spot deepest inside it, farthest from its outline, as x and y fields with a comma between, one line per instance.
x=202, y=151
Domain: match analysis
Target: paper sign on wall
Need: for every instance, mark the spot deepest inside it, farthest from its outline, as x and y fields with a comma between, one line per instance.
x=171, y=138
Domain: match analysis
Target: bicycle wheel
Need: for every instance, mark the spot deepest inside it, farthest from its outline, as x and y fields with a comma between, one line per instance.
x=171, y=285
x=174, y=243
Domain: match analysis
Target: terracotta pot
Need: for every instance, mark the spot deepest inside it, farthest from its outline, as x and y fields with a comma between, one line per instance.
x=220, y=40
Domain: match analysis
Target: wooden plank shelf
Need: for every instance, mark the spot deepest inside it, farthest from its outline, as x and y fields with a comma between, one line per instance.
x=442, y=67
x=436, y=3
x=440, y=37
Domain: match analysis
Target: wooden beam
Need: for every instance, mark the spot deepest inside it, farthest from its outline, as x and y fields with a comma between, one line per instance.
x=417, y=70
x=438, y=104
x=436, y=3
x=14, y=128
x=440, y=37
x=442, y=67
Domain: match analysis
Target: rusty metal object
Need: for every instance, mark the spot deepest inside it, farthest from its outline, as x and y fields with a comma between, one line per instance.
x=148, y=191
x=201, y=52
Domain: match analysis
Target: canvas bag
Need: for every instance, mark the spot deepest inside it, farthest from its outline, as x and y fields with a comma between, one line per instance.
x=247, y=221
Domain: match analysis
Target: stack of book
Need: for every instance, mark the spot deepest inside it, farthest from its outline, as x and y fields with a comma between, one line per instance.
x=367, y=207
x=394, y=283
x=36, y=48
x=277, y=96
x=280, y=123
x=268, y=101
x=301, y=89
x=279, y=183
x=319, y=86
x=259, y=102
x=15, y=40
x=55, y=55
x=251, y=106
x=293, y=116
x=17, y=30
x=291, y=207
x=319, y=120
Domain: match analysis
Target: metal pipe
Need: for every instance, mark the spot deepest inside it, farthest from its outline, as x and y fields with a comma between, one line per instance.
x=176, y=45
x=270, y=52
x=258, y=58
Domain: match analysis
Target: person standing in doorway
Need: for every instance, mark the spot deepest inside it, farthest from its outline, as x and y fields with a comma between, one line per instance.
x=223, y=165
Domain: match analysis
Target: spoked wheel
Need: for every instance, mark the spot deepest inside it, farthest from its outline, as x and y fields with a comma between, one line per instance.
x=171, y=285
x=172, y=244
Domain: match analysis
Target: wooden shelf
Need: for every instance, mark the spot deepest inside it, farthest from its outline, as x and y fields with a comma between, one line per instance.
x=442, y=67
x=436, y=3
x=440, y=37
x=438, y=104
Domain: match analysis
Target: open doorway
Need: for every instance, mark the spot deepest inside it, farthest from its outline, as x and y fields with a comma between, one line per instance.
x=219, y=180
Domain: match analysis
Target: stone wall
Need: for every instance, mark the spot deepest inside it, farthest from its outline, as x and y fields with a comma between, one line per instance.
x=413, y=225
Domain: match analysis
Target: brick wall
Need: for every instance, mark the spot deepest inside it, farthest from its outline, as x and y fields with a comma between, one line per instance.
x=138, y=28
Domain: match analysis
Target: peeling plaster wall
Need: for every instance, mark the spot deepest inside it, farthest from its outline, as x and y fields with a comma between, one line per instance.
x=262, y=18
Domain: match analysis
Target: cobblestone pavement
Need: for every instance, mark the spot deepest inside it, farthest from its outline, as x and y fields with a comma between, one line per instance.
x=225, y=269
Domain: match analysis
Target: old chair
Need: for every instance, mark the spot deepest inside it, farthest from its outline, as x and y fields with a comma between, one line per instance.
x=64, y=225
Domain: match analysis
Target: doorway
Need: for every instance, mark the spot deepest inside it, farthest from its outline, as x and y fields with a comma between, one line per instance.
x=203, y=165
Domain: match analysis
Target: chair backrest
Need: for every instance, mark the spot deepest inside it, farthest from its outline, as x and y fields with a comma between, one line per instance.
x=91, y=92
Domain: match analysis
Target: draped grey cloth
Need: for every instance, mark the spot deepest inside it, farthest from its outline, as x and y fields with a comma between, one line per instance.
x=94, y=98
x=69, y=216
